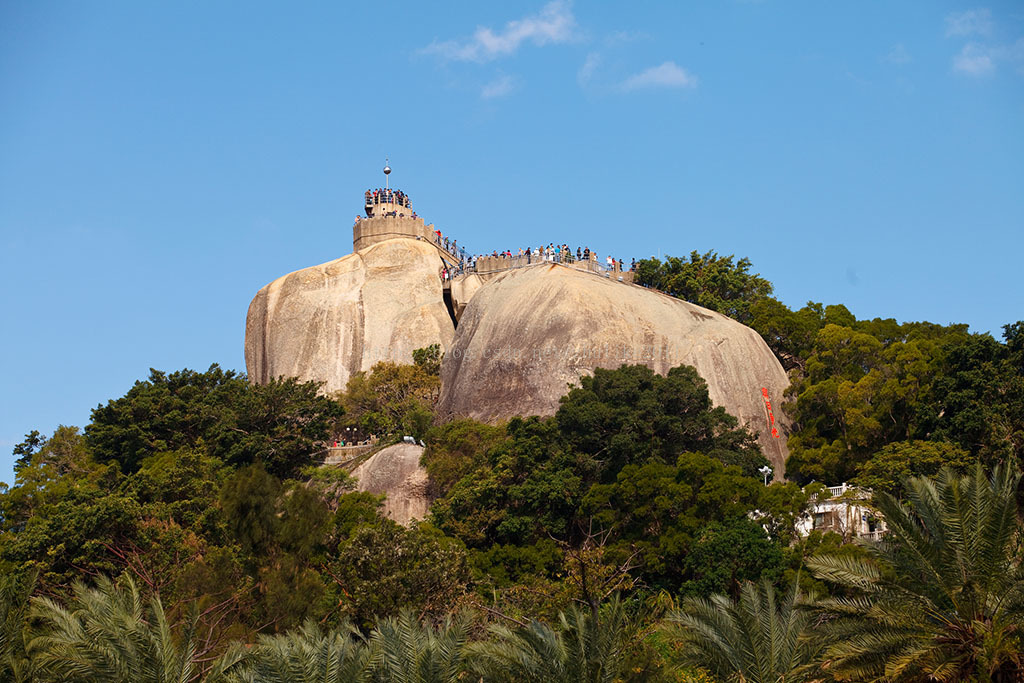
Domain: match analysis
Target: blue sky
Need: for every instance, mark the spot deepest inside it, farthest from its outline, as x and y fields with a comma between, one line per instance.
x=160, y=162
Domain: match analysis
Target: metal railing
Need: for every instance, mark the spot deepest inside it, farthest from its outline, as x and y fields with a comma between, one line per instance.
x=516, y=262
x=392, y=197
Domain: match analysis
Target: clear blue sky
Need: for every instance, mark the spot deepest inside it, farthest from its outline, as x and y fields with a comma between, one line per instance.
x=161, y=161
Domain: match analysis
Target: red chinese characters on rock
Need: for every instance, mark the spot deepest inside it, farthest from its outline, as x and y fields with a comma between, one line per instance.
x=771, y=415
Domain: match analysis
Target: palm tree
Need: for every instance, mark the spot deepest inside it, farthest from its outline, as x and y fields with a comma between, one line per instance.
x=756, y=639
x=405, y=651
x=308, y=655
x=583, y=649
x=942, y=596
x=15, y=666
x=110, y=634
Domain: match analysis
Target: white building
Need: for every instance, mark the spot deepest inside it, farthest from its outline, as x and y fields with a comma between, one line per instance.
x=845, y=511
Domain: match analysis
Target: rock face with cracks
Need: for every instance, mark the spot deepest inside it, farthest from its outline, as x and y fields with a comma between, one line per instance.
x=330, y=321
x=395, y=472
x=528, y=334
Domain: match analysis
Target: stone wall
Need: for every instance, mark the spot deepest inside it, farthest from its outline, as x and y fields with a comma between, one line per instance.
x=339, y=455
x=369, y=231
x=490, y=265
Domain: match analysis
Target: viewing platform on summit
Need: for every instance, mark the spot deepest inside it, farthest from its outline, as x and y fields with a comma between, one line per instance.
x=387, y=202
x=389, y=215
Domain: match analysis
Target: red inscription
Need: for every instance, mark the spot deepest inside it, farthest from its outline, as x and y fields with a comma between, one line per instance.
x=771, y=415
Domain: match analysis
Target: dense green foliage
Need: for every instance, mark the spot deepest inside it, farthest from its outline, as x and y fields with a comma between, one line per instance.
x=757, y=638
x=708, y=280
x=860, y=386
x=904, y=459
x=943, y=595
x=213, y=524
x=941, y=598
x=874, y=384
x=643, y=461
x=217, y=411
x=393, y=400
x=588, y=645
x=190, y=515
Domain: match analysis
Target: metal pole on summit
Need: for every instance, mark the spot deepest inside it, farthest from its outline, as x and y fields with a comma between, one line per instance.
x=387, y=174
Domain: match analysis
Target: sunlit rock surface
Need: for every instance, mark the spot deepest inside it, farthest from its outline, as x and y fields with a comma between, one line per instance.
x=329, y=321
x=528, y=334
x=395, y=471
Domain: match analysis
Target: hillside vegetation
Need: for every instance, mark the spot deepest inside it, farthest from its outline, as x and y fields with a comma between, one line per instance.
x=187, y=532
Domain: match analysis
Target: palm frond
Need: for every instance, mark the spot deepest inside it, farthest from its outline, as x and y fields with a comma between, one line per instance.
x=110, y=633
x=582, y=648
x=755, y=639
x=937, y=604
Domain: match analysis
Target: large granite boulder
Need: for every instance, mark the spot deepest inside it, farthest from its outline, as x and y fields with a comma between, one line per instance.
x=329, y=321
x=395, y=471
x=528, y=334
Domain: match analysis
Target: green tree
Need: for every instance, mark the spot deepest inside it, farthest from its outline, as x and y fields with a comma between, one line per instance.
x=428, y=359
x=529, y=488
x=249, y=499
x=870, y=383
x=304, y=521
x=383, y=568
x=753, y=639
x=789, y=334
x=278, y=424
x=43, y=477
x=457, y=448
x=611, y=454
x=708, y=280
x=392, y=400
x=890, y=467
x=977, y=401
x=181, y=485
x=658, y=512
x=71, y=529
x=505, y=565
x=942, y=597
x=23, y=451
x=289, y=592
x=726, y=554
x=164, y=413
x=861, y=392
x=353, y=510
x=633, y=414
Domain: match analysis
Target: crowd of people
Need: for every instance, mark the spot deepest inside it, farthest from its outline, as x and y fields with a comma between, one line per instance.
x=387, y=196
x=563, y=253
x=552, y=253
